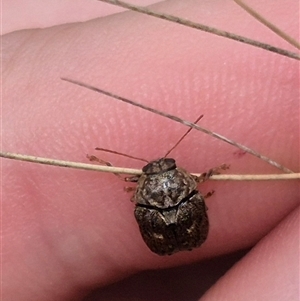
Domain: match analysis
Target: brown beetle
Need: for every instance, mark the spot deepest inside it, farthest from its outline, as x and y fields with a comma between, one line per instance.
x=170, y=211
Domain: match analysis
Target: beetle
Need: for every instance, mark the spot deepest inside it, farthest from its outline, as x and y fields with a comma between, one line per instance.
x=170, y=211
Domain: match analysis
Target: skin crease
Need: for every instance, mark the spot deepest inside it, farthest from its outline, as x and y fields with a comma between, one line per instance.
x=66, y=232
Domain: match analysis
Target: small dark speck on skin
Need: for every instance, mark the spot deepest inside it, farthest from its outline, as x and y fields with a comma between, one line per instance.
x=239, y=153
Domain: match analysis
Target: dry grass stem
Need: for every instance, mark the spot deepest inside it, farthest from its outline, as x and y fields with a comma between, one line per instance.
x=119, y=170
x=268, y=24
x=202, y=27
x=131, y=171
x=184, y=122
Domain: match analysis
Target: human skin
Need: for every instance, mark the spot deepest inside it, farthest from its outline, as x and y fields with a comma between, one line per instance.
x=65, y=231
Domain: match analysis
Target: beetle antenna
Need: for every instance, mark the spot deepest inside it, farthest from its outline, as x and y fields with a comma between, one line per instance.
x=120, y=154
x=182, y=137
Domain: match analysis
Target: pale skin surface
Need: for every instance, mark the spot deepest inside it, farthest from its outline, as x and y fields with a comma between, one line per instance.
x=66, y=232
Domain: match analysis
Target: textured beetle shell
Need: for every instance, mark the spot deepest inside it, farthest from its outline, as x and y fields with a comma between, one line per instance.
x=170, y=212
x=165, y=188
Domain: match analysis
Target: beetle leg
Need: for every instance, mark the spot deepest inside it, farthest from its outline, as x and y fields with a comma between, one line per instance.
x=93, y=158
x=132, y=179
x=209, y=194
x=129, y=189
x=213, y=171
